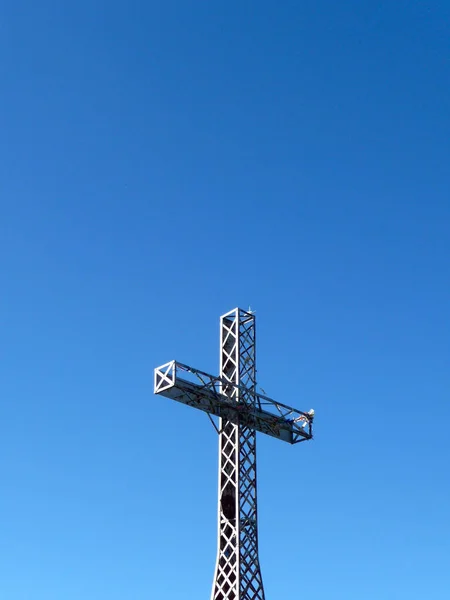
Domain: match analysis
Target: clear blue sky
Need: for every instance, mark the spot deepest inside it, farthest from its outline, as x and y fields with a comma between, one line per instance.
x=160, y=164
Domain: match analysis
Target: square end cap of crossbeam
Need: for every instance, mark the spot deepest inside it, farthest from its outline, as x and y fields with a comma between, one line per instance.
x=165, y=377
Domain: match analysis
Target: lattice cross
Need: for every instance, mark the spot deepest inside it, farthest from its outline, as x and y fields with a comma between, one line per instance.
x=242, y=411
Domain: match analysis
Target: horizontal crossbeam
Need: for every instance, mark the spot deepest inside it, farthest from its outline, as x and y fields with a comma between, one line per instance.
x=203, y=391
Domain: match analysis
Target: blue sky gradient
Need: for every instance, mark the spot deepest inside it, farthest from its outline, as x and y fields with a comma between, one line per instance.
x=160, y=164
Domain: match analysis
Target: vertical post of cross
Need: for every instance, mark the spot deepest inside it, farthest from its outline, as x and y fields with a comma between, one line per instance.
x=237, y=573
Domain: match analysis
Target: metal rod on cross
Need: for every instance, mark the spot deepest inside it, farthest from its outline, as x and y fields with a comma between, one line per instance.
x=242, y=411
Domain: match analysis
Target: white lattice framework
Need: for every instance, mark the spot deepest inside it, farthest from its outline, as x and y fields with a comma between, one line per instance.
x=242, y=411
x=238, y=573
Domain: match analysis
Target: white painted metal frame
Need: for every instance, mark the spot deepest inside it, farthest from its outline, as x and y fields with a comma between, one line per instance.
x=204, y=391
x=242, y=410
x=237, y=573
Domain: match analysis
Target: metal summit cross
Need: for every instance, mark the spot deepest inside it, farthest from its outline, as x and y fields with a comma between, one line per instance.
x=243, y=411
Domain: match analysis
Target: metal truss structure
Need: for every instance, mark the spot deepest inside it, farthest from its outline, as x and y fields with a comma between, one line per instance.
x=242, y=411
